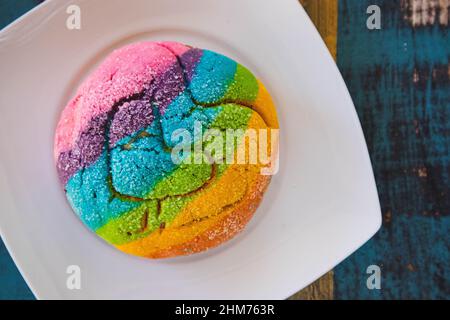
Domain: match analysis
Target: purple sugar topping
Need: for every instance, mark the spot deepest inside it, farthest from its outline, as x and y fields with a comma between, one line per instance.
x=189, y=61
x=129, y=117
x=87, y=149
x=168, y=87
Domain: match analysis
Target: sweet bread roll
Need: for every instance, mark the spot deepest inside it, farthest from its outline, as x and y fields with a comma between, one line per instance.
x=149, y=150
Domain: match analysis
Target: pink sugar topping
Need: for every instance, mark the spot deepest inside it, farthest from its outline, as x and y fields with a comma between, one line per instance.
x=124, y=72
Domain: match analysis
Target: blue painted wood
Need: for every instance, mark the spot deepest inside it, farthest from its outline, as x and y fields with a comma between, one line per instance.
x=12, y=285
x=399, y=79
x=13, y=9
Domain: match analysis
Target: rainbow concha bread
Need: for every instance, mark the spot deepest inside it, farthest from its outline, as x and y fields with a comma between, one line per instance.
x=114, y=143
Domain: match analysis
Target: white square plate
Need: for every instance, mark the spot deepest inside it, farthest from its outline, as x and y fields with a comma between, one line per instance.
x=320, y=207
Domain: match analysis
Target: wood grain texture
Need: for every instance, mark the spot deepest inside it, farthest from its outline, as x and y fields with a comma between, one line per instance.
x=321, y=289
x=324, y=15
x=399, y=79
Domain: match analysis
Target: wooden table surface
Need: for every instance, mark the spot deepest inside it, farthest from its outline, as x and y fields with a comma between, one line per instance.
x=399, y=79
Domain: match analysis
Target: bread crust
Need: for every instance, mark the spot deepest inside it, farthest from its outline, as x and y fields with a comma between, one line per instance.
x=228, y=226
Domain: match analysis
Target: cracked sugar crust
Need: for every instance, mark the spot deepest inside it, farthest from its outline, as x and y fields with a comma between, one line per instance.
x=112, y=149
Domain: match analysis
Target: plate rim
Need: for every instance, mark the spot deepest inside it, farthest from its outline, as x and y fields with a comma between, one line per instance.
x=15, y=27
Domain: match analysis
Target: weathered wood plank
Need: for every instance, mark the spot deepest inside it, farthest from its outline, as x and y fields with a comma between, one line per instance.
x=321, y=289
x=324, y=15
x=399, y=79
